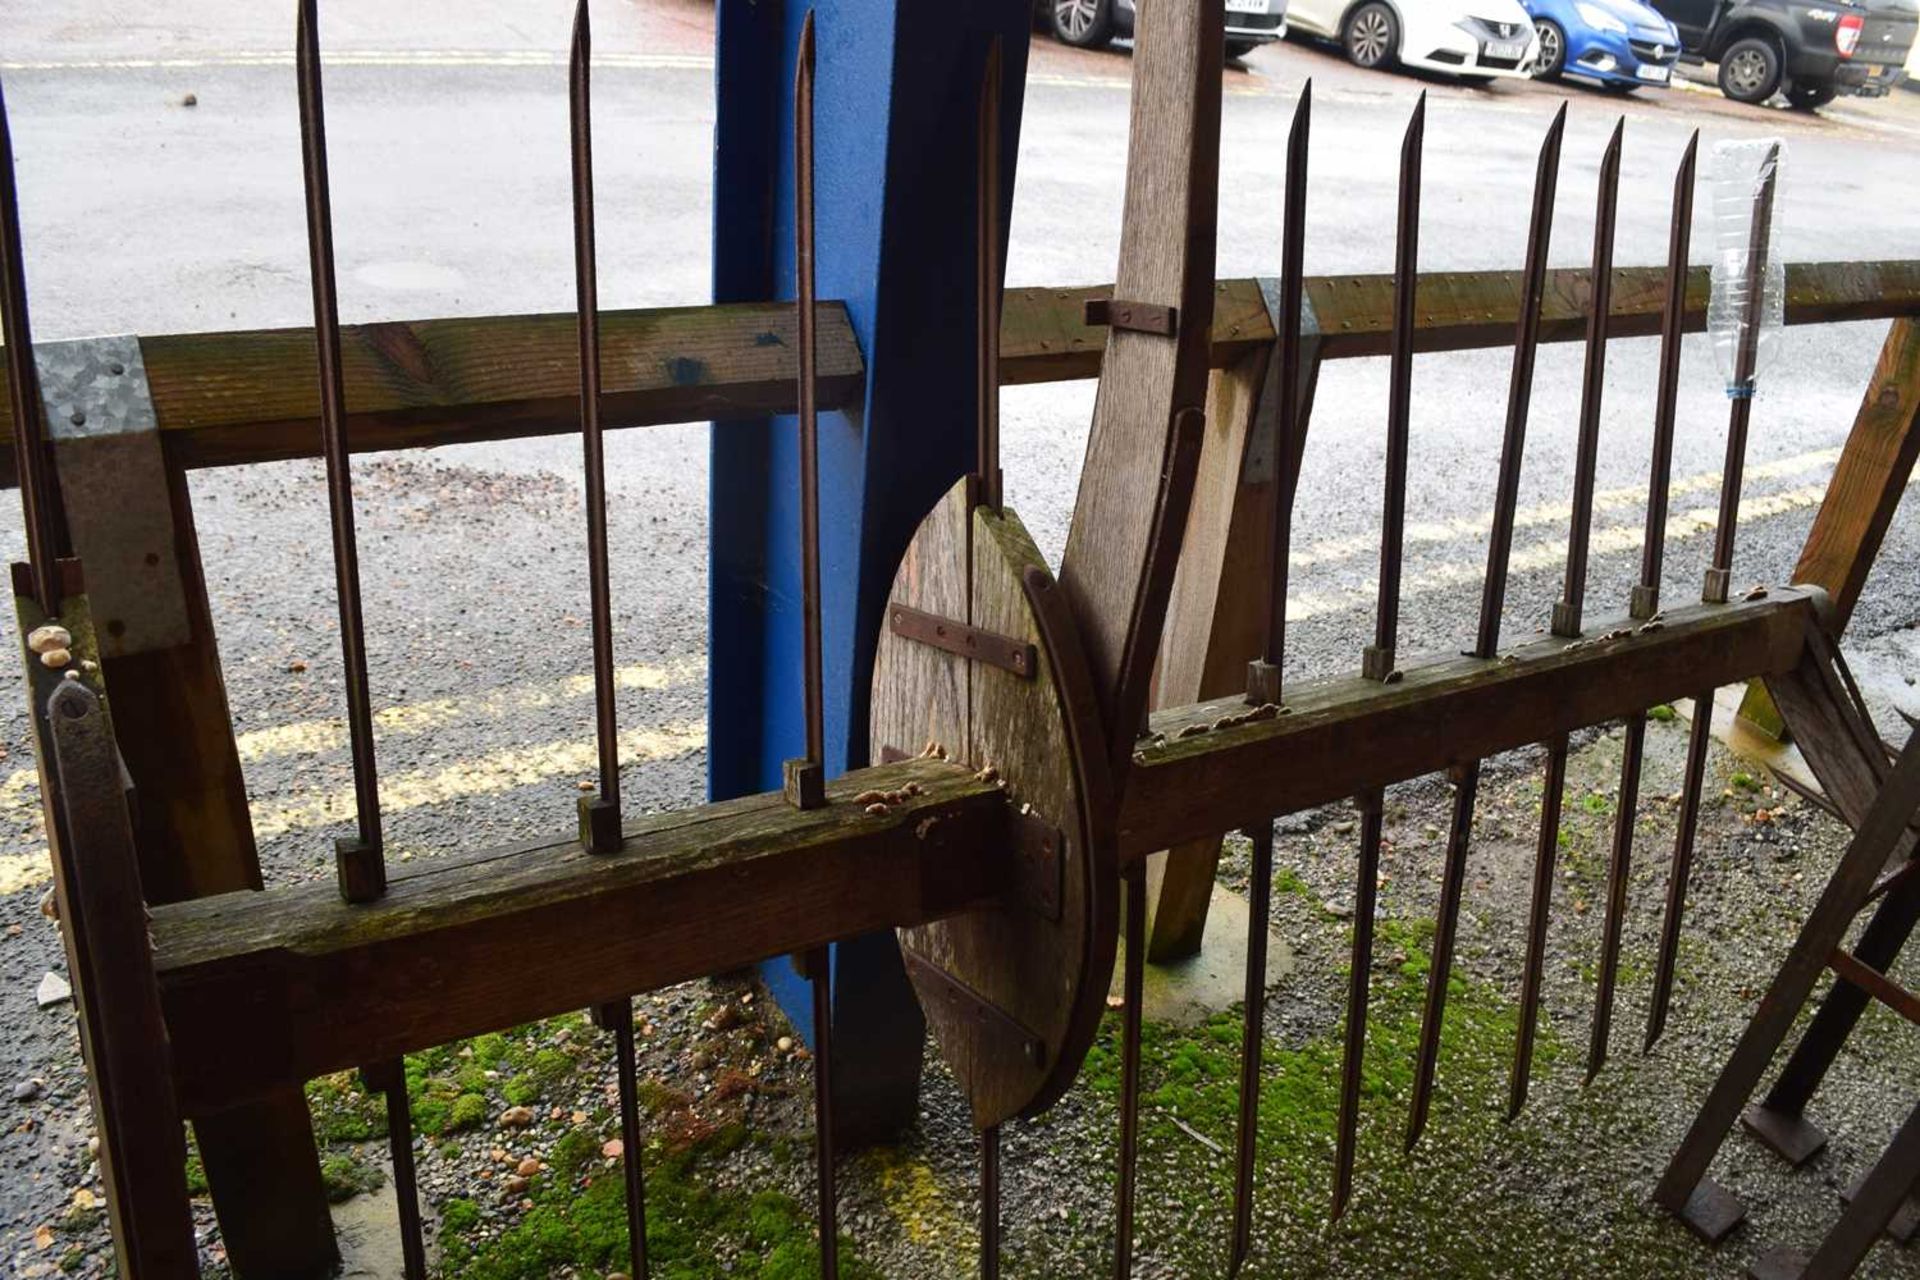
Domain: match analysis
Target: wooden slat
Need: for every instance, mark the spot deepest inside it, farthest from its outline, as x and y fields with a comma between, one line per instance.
x=1358, y=734
x=228, y=398
x=270, y=987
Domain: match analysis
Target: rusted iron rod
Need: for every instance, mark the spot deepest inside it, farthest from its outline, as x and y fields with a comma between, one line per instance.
x=616, y=1018
x=987, y=280
x=1646, y=594
x=819, y=965
x=601, y=820
x=1545, y=856
x=389, y=1079
x=1366, y=895
x=805, y=777
x=39, y=483
x=1714, y=591
x=1252, y=1031
x=1133, y=985
x=990, y=1203
x=1493, y=592
x=361, y=864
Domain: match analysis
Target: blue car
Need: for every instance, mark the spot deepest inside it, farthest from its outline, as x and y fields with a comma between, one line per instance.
x=1621, y=44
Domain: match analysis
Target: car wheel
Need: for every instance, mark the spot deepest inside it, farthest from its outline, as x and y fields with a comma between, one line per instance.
x=1372, y=36
x=1805, y=97
x=1750, y=70
x=1241, y=48
x=1085, y=24
x=1553, y=50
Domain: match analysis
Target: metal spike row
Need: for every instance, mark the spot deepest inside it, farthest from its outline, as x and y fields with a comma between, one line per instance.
x=601, y=814
x=1715, y=592
x=362, y=868
x=39, y=483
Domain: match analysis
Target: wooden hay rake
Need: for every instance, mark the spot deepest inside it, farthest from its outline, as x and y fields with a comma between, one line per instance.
x=1020, y=782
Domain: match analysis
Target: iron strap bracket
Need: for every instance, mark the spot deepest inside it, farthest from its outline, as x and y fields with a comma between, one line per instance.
x=113, y=482
x=1139, y=317
x=989, y=1019
x=1017, y=656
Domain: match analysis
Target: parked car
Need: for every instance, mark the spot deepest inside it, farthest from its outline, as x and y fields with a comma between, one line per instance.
x=1621, y=44
x=1810, y=51
x=1094, y=24
x=1473, y=39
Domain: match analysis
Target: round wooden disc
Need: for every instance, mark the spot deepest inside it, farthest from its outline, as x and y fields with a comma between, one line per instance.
x=1013, y=990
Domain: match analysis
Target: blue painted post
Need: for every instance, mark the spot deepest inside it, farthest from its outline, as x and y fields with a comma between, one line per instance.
x=895, y=117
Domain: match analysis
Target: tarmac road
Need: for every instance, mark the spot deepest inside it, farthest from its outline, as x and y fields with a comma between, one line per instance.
x=447, y=131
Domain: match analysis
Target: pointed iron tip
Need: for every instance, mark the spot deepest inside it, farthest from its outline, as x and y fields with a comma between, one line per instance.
x=582, y=30
x=806, y=37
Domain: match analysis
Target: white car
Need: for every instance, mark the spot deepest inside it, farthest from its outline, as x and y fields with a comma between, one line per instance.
x=1473, y=39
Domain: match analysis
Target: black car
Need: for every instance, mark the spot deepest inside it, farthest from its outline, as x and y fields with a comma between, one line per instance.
x=1809, y=51
x=1093, y=24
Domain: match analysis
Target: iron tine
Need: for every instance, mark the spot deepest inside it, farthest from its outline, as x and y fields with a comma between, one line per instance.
x=1526, y=343
x=1132, y=992
x=1619, y=869
x=819, y=963
x=990, y=1203
x=1264, y=681
x=361, y=866
x=599, y=814
x=806, y=788
x=1545, y=854
x=1453, y=878
x=1252, y=1037
x=987, y=299
x=1646, y=595
x=616, y=1017
x=1360, y=970
x=389, y=1079
x=1714, y=591
x=39, y=484
x=1492, y=604
x=1378, y=662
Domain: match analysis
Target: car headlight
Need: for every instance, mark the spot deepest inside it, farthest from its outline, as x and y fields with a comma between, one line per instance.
x=1599, y=19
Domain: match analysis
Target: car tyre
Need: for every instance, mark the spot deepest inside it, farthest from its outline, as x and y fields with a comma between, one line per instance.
x=1553, y=50
x=1750, y=69
x=1805, y=97
x=1372, y=36
x=1084, y=24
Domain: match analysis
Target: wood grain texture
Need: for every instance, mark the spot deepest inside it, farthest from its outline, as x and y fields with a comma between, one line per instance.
x=97, y=886
x=1129, y=516
x=265, y=988
x=1870, y=478
x=1446, y=710
x=1048, y=975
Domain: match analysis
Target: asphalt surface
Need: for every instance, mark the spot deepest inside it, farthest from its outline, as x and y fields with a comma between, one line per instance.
x=447, y=131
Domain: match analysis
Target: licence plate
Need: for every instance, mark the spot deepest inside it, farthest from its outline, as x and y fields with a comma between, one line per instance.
x=1247, y=6
x=1510, y=51
x=1656, y=74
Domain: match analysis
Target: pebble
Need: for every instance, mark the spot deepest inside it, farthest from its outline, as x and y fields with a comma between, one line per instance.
x=528, y=1167
x=515, y=1185
x=191, y=100
x=43, y=639
x=28, y=1090
x=784, y=1044
x=517, y=1117
x=53, y=990
x=613, y=1148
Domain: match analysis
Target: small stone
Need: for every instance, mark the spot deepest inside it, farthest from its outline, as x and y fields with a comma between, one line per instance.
x=617, y=1275
x=515, y=1185
x=702, y=1059
x=93, y=1145
x=28, y=1090
x=53, y=990
x=784, y=1044
x=877, y=810
x=499, y=1155
x=528, y=1167
x=83, y=1198
x=51, y=636
x=49, y=905
x=43, y=1237
x=613, y=1148
x=297, y=667
x=578, y=1117
x=517, y=1117
x=585, y=784
x=54, y=659
x=191, y=100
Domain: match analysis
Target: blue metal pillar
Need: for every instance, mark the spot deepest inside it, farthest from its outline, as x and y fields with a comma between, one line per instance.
x=895, y=119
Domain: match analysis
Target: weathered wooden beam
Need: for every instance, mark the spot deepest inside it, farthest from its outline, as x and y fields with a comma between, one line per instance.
x=224, y=399
x=1354, y=734
x=271, y=987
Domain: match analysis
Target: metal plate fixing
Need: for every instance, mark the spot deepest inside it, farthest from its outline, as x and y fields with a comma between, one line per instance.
x=1017, y=656
x=990, y=1020
x=113, y=481
x=1257, y=465
x=1039, y=874
x=1139, y=317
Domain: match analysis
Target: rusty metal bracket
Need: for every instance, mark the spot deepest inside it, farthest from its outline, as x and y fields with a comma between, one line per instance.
x=1139, y=317
x=113, y=480
x=1039, y=874
x=1004, y=652
x=989, y=1019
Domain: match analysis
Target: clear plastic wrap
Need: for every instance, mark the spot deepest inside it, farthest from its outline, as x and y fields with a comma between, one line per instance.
x=1746, y=179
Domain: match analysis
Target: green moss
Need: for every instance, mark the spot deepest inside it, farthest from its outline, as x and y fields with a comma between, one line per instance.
x=343, y=1110
x=72, y=1260
x=521, y=1091
x=1595, y=803
x=579, y=1222
x=1741, y=780
x=1663, y=713
x=469, y=1111
x=346, y=1176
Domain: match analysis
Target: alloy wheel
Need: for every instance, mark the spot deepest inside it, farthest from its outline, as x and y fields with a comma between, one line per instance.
x=1370, y=37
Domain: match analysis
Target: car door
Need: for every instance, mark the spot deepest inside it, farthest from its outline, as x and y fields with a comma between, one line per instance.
x=1694, y=18
x=1321, y=17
